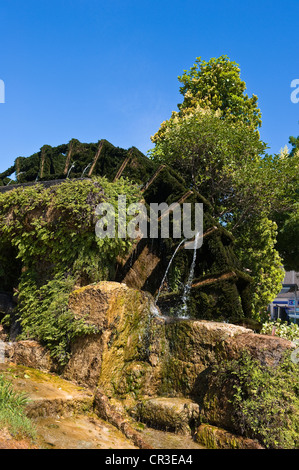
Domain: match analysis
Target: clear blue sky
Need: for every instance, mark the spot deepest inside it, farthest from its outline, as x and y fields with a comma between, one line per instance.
x=93, y=69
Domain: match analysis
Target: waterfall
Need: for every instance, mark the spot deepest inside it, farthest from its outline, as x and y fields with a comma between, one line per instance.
x=85, y=169
x=187, y=288
x=73, y=166
x=167, y=269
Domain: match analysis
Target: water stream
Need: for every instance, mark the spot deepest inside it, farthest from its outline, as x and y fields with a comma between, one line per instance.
x=168, y=267
x=72, y=166
x=183, y=309
x=85, y=169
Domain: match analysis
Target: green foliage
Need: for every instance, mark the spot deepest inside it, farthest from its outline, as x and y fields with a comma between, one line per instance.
x=255, y=247
x=264, y=399
x=211, y=153
x=216, y=84
x=288, y=237
x=294, y=141
x=214, y=142
x=52, y=231
x=12, y=411
x=44, y=315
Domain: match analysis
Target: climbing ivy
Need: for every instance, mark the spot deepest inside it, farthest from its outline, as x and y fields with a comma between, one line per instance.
x=51, y=232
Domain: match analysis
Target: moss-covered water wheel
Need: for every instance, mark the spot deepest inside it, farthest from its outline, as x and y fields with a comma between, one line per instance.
x=220, y=289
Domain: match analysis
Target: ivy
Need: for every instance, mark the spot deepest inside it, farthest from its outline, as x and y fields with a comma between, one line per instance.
x=52, y=233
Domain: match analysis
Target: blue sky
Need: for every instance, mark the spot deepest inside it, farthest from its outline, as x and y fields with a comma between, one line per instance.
x=93, y=69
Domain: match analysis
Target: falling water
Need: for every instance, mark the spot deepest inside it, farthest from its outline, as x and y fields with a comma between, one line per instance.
x=85, y=169
x=167, y=269
x=187, y=288
x=73, y=165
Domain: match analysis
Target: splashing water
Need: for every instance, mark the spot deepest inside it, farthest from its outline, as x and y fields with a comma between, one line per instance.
x=85, y=169
x=168, y=267
x=73, y=166
x=187, y=288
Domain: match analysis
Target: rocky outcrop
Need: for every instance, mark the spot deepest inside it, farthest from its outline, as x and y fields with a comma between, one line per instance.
x=155, y=366
x=170, y=414
x=111, y=413
x=137, y=351
x=123, y=357
x=268, y=350
x=30, y=354
x=3, y=334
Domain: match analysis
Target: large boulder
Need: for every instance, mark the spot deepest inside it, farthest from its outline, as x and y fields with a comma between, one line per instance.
x=159, y=367
x=139, y=352
x=124, y=356
x=268, y=350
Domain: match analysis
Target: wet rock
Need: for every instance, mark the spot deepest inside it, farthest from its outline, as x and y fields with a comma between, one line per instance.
x=3, y=334
x=193, y=347
x=124, y=357
x=85, y=363
x=170, y=414
x=8, y=441
x=49, y=394
x=268, y=350
x=106, y=410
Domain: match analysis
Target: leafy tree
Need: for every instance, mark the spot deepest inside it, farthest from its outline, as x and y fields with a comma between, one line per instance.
x=214, y=141
x=287, y=239
x=294, y=141
x=255, y=247
x=212, y=155
x=216, y=85
x=288, y=220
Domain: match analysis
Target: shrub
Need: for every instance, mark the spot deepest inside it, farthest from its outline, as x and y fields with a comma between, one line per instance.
x=281, y=329
x=264, y=400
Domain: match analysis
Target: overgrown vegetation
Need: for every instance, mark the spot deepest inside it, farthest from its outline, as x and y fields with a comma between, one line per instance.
x=281, y=329
x=264, y=399
x=214, y=141
x=12, y=411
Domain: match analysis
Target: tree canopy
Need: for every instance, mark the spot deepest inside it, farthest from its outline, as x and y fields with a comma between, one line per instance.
x=213, y=139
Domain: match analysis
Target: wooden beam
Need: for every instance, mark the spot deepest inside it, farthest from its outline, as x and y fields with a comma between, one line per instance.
x=43, y=156
x=101, y=144
x=183, y=198
x=212, y=280
x=122, y=167
x=208, y=232
x=152, y=179
x=68, y=158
